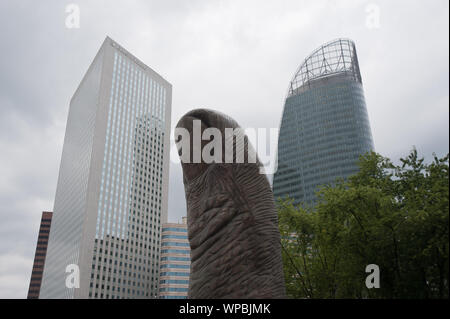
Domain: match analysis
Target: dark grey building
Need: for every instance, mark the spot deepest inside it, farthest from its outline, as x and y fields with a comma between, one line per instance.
x=39, y=256
x=325, y=126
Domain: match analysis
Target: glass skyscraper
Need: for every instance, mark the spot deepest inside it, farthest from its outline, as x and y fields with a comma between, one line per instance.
x=111, y=196
x=325, y=126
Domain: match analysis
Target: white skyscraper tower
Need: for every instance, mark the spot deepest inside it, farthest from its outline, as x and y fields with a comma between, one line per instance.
x=111, y=197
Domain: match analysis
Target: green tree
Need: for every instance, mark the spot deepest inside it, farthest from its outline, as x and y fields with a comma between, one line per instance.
x=394, y=216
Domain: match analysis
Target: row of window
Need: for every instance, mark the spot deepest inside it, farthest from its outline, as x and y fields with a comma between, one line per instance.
x=175, y=251
x=173, y=289
x=174, y=281
x=175, y=258
x=176, y=266
x=175, y=273
x=175, y=236
x=175, y=229
x=175, y=244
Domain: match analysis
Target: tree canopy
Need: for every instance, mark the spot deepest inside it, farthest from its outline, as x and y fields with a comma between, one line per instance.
x=394, y=216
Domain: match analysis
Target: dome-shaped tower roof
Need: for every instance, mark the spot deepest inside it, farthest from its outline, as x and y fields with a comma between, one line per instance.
x=335, y=57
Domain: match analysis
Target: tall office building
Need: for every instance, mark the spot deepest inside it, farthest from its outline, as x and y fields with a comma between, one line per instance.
x=175, y=261
x=39, y=256
x=111, y=197
x=325, y=126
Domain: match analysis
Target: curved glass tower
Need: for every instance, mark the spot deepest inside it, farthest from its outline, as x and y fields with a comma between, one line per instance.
x=325, y=126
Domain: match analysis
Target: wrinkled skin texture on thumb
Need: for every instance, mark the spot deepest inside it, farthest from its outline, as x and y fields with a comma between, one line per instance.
x=232, y=224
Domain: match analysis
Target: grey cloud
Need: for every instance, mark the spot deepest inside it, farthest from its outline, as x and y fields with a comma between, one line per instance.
x=234, y=56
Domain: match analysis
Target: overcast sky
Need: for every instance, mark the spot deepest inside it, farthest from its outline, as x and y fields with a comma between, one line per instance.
x=233, y=56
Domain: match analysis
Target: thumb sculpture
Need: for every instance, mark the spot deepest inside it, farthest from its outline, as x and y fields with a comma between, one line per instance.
x=231, y=216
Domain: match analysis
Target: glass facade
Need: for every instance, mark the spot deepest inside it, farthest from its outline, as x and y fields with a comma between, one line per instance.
x=65, y=240
x=118, y=222
x=325, y=125
x=175, y=262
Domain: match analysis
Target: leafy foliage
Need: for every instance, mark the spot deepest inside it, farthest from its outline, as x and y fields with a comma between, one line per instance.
x=394, y=216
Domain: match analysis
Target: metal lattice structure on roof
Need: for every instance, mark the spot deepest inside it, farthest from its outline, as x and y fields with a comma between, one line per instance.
x=335, y=57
